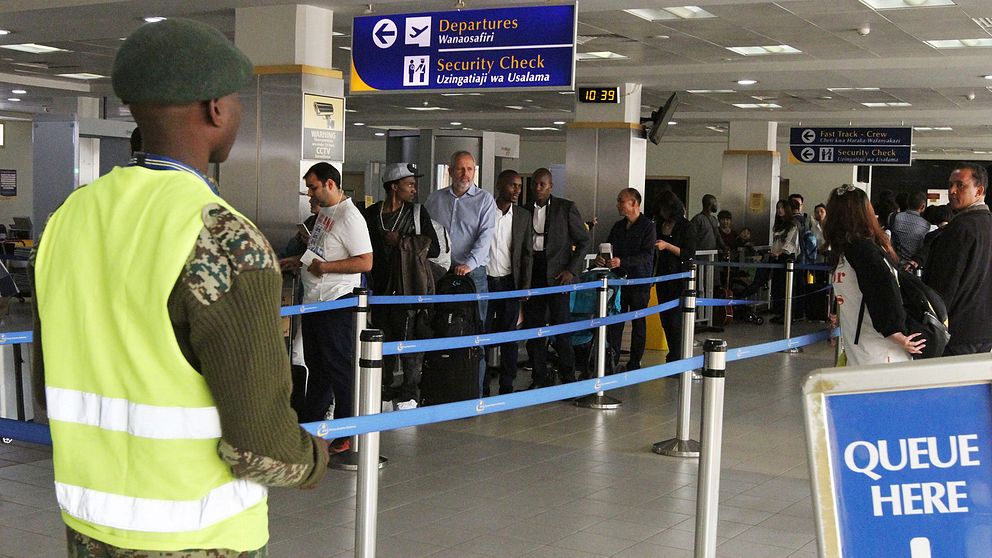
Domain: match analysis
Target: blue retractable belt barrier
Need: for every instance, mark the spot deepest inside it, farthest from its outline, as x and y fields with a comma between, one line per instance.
x=16, y=337
x=810, y=267
x=318, y=307
x=651, y=280
x=39, y=434
x=423, y=299
x=423, y=345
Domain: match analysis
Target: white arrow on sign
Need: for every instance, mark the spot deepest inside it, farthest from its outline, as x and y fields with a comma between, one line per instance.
x=919, y=548
x=807, y=154
x=808, y=136
x=384, y=33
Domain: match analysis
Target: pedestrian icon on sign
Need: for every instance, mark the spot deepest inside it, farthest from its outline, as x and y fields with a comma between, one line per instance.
x=415, y=70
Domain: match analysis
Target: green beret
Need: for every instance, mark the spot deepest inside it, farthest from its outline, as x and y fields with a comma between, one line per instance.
x=178, y=61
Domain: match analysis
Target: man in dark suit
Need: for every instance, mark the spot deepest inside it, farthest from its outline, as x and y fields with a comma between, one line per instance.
x=509, y=269
x=561, y=241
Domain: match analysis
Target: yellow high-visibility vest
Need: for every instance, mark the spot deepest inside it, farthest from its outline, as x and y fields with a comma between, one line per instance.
x=134, y=426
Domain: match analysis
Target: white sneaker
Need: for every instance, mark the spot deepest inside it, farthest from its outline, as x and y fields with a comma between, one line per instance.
x=404, y=405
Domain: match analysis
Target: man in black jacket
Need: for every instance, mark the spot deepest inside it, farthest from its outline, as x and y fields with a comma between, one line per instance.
x=632, y=239
x=960, y=262
x=509, y=269
x=561, y=242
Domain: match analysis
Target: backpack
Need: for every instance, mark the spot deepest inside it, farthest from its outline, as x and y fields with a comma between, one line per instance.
x=806, y=241
x=455, y=319
x=439, y=265
x=925, y=313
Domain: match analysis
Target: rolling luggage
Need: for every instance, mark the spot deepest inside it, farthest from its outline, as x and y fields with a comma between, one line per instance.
x=452, y=374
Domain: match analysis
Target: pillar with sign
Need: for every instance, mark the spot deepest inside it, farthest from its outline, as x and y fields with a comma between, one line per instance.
x=293, y=115
x=605, y=151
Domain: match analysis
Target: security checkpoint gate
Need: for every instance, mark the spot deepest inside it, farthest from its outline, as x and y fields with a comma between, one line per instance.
x=901, y=458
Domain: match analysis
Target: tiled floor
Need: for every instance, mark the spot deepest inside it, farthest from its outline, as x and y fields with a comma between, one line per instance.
x=547, y=481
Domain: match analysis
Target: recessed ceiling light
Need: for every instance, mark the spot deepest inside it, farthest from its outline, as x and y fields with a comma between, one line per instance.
x=599, y=55
x=699, y=91
x=338, y=34
x=900, y=4
x=762, y=50
x=380, y=134
x=456, y=123
x=14, y=100
x=427, y=109
x=747, y=81
x=357, y=123
x=961, y=43
x=566, y=93
x=672, y=122
x=943, y=128
x=344, y=47
x=922, y=128
x=514, y=107
x=5, y=31
x=153, y=19
x=452, y=94
x=757, y=105
x=541, y=129
x=18, y=91
x=350, y=110
x=559, y=122
x=717, y=129
x=33, y=48
x=679, y=12
x=82, y=75
x=836, y=89
x=890, y=104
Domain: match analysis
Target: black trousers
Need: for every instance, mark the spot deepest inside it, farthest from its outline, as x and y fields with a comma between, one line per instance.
x=397, y=324
x=502, y=317
x=545, y=310
x=328, y=348
x=632, y=297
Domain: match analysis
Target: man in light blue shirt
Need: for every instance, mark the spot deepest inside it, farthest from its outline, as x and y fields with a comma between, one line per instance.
x=469, y=215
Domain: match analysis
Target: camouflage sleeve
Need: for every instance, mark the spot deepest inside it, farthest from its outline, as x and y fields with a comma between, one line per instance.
x=225, y=312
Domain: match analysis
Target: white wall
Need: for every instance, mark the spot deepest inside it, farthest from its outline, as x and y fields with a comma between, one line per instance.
x=17, y=154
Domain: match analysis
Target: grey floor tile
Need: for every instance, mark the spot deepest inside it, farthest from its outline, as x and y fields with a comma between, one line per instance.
x=645, y=550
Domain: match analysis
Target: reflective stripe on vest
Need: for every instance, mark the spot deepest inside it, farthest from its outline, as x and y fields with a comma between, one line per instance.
x=159, y=516
x=121, y=415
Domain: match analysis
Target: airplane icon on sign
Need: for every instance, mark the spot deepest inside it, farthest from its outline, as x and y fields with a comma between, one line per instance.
x=414, y=33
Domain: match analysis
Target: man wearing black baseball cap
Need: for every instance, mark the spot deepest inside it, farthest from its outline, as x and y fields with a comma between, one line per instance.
x=161, y=351
x=393, y=228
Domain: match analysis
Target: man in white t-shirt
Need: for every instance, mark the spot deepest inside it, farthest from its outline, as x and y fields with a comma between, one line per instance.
x=340, y=241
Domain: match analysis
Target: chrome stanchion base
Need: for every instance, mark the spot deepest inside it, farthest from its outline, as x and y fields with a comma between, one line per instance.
x=597, y=401
x=677, y=448
x=348, y=461
x=793, y=350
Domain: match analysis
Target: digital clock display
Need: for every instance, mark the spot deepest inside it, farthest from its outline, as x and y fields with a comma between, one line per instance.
x=599, y=94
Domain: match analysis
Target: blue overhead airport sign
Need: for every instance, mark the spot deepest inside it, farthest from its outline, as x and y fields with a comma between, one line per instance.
x=901, y=458
x=851, y=146
x=499, y=48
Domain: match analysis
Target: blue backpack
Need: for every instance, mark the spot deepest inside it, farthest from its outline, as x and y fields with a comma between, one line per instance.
x=806, y=242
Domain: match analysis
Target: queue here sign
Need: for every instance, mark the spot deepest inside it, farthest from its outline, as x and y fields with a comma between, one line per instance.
x=851, y=146
x=499, y=48
x=912, y=471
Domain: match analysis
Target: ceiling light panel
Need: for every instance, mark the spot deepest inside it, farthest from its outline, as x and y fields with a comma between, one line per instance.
x=33, y=48
x=82, y=75
x=757, y=105
x=427, y=109
x=600, y=55
x=764, y=50
x=902, y=4
x=961, y=43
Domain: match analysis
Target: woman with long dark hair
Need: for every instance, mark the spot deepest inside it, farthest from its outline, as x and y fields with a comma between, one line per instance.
x=676, y=245
x=864, y=274
x=785, y=245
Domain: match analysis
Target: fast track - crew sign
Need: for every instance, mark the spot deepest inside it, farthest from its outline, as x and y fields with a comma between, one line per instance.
x=501, y=48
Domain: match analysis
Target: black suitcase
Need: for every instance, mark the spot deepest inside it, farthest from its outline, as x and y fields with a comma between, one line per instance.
x=452, y=374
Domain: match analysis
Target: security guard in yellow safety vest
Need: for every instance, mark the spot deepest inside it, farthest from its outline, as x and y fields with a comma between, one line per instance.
x=157, y=328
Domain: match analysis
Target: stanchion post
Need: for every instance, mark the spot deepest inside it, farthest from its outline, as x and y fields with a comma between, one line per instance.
x=790, y=273
x=682, y=445
x=711, y=436
x=367, y=498
x=348, y=460
x=600, y=400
